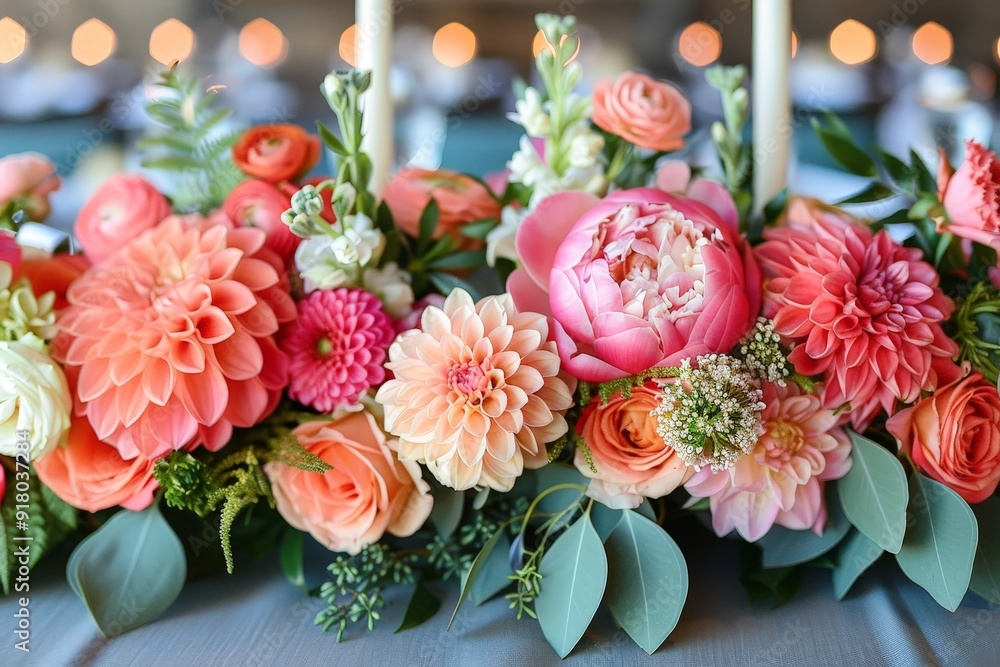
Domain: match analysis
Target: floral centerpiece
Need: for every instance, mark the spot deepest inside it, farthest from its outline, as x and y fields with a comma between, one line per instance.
x=269, y=355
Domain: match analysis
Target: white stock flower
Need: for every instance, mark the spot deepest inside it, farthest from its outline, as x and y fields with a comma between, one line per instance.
x=586, y=147
x=531, y=114
x=500, y=240
x=328, y=263
x=34, y=400
x=391, y=284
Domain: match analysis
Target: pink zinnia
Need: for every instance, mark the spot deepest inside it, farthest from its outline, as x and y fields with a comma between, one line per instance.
x=782, y=481
x=337, y=346
x=858, y=309
x=171, y=340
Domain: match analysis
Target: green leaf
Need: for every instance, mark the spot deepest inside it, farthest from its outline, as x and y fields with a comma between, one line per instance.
x=447, y=512
x=292, y=559
x=845, y=152
x=552, y=475
x=985, y=580
x=646, y=509
x=468, y=259
x=331, y=140
x=648, y=580
x=776, y=206
x=478, y=565
x=174, y=163
x=856, y=554
x=926, y=183
x=422, y=607
x=574, y=575
x=605, y=519
x=837, y=125
x=494, y=576
x=446, y=283
x=874, y=493
x=783, y=547
x=875, y=191
x=898, y=170
x=428, y=223
x=940, y=543
x=129, y=571
x=478, y=229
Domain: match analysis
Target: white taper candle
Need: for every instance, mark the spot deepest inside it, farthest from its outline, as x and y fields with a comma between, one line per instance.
x=772, y=127
x=374, y=21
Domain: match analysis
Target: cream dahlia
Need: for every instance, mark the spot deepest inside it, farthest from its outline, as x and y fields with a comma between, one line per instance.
x=337, y=346
x=858, y=309
x=477, y=392
x=171, y=341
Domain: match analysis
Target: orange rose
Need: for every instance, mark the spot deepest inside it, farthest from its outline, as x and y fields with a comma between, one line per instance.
x=367, y=493
x=92, y=476
x=648, y=113
x=461, y=200
x=631, y=459
x=954, y=436
x=277, y=152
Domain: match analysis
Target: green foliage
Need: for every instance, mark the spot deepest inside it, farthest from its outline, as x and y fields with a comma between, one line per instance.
x=192, y=142
x=622, y=386
x=854, y=555
x=728, y=134
x=43, y=517
x=874, y=493
x=976, y=329
x=842, y=148
x=783, y=547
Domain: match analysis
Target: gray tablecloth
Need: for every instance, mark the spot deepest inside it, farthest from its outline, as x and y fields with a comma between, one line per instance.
x=255, y=618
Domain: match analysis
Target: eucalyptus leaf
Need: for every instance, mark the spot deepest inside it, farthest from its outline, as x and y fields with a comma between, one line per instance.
x=646, y=509
x=478, y=565
x=856, y=554
x=422, y=607
x=292, y=559
x=553, y=475
x=783, y=546
x=447, y=512
x=985, y=580
x=605, y=519
x=129, y=571
x=574, y=575
x=874, y=493
x=940, y=543
x=648, y=580
x=494, y=576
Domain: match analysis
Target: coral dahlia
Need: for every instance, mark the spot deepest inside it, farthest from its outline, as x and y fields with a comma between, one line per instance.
x=477, y=392
x=171, y=341
x=337, y=346
x=858, y=309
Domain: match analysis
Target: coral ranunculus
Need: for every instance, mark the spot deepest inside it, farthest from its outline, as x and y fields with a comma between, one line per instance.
x=954, y=436
x=858, y=309
x=477, y=392
x=256, y=203
x=276, y=152
x=368, y=493
x=639, y=279
x=781, y=481
x=92, y=476
x=972, y=197
x=125, y=206
x=648, y=113
x=631, y=458
x=172, y=339
x=460, y=200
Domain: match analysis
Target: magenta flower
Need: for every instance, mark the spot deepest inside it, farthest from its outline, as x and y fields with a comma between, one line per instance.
x=337, y=346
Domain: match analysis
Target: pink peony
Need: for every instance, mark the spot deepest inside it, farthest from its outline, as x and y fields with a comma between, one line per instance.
x=460, y=199
x=28, y=178
x=857, y=309
x=972, y=197
x=954, y=436
x=639, y=279
x=92, y=476
x=675, y=177
x=782, y=481
x=631, y=458
x=125, y=206
x=337, y=346
x=368, y=493
x=256, y=203
x=477, y=392
x=643, y=111
x=172, y=339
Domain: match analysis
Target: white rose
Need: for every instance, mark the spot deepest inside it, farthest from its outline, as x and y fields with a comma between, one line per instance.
x=392, y=285
x=34, y=400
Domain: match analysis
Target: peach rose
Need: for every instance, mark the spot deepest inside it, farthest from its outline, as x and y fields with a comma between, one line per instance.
x=256, y=203
x=461, y=200
x=367, y=493
x=648, y=113
x=276, y=152
x=972, y=196
x=631, y=459
x=954, y=436
x=92, y=476
x=28, y=178
x=124, y=207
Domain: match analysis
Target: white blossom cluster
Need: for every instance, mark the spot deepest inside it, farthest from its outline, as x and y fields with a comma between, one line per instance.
x=710, y=415
x=762, y=353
